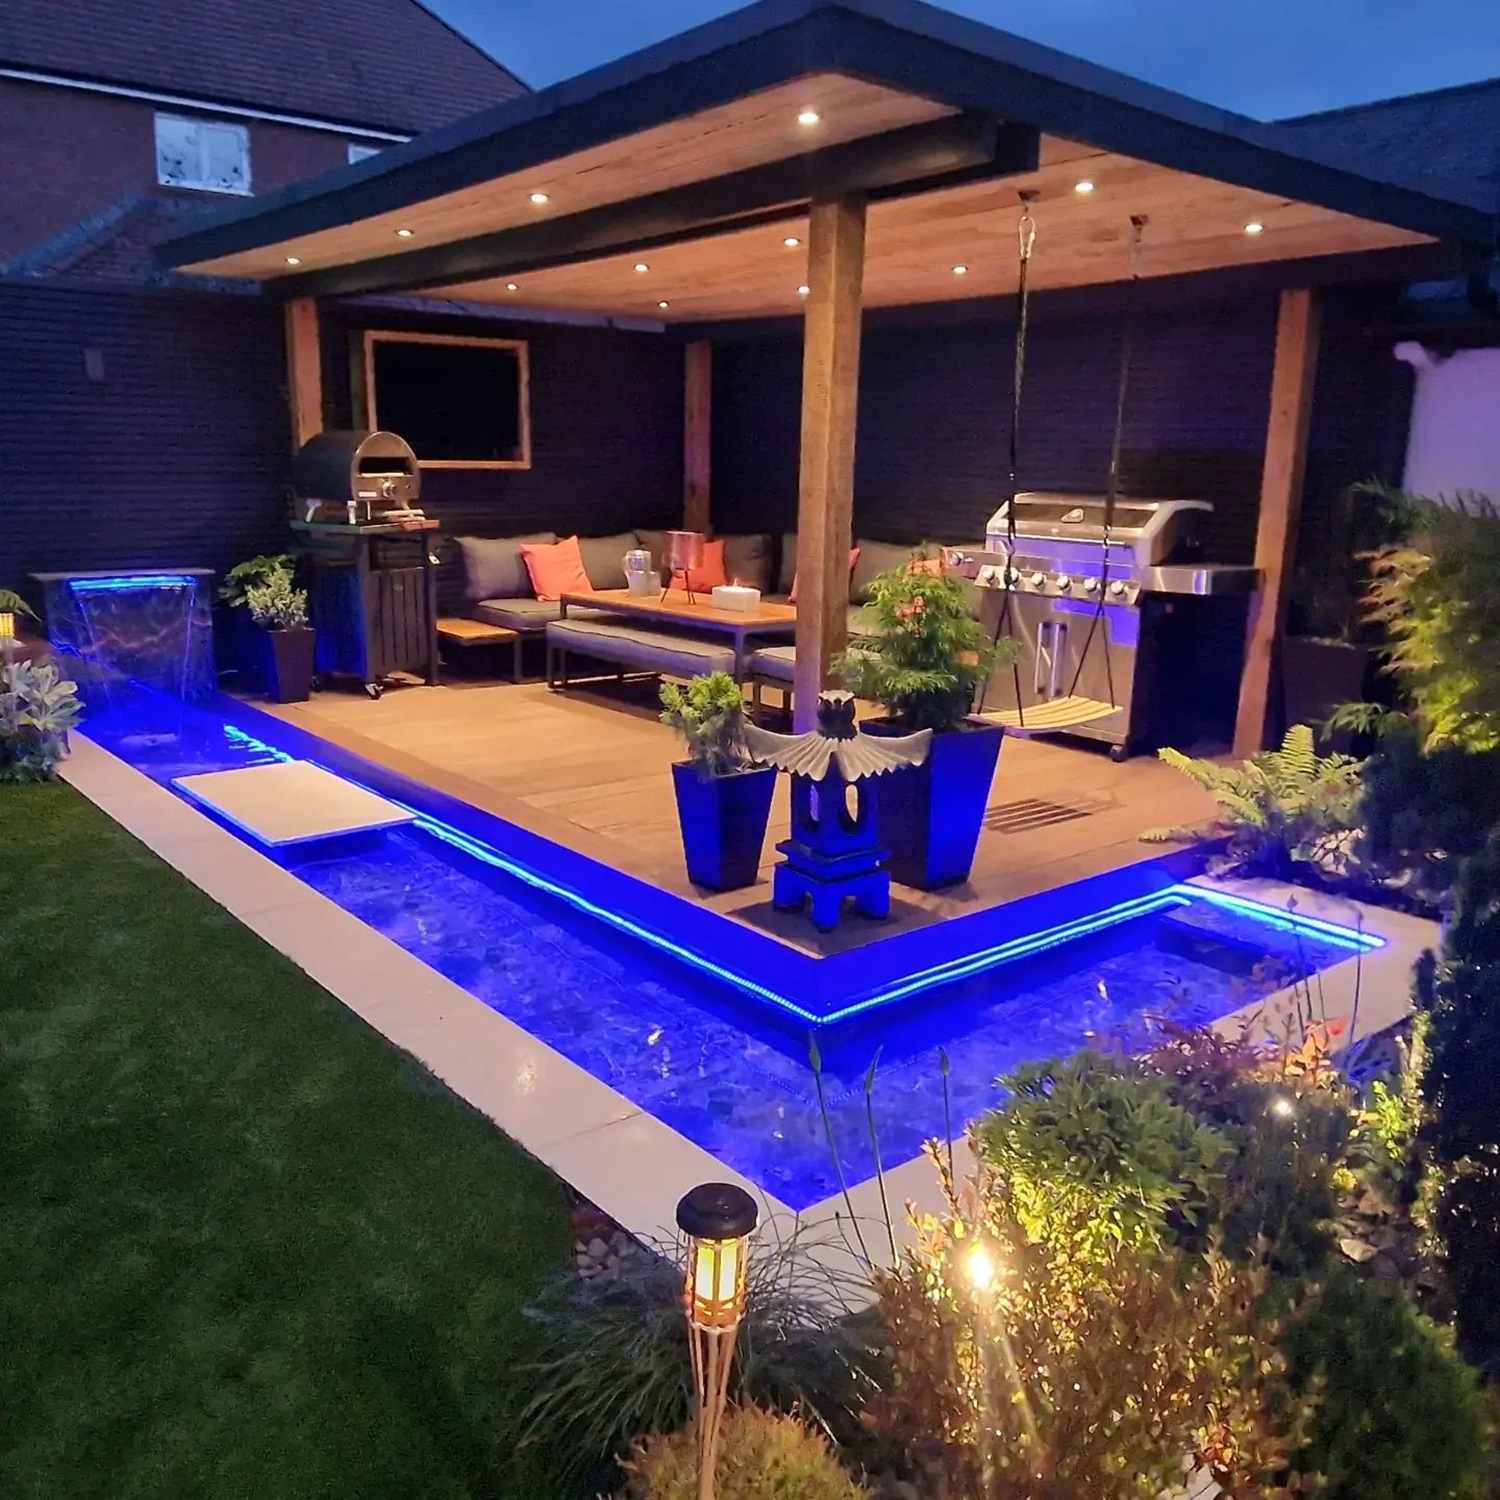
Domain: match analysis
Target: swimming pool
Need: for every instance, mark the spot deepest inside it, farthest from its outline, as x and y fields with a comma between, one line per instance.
x=705, y=1024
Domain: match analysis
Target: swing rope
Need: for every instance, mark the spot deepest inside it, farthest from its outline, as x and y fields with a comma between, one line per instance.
x=1112, y=490
x=1025, y=242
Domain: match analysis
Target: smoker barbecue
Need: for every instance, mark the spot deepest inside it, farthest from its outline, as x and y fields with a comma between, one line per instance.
x=1092, y=606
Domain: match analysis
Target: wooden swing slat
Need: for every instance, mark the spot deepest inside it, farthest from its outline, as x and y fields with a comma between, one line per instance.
x=1055, y=716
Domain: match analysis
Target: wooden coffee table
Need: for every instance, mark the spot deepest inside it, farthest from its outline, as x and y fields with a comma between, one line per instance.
x=675, y=609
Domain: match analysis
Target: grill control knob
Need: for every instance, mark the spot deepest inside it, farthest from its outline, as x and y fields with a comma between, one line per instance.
x=1037, y=580
x=1091, y=585
x=1063, y=583
x=1117, y=588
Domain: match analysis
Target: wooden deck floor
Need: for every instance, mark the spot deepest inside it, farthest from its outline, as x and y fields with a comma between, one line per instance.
x=589, y=768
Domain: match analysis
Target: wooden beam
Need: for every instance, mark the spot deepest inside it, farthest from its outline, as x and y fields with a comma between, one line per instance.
x=304, y=369
x=830, y=404
x=1296, y=366
x=697, y=434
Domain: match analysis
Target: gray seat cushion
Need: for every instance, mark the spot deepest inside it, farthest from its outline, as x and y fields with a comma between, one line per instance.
x=494, y=567
x=604, y=558
x=786, y=570
x=529, y=616
x=644, y=650
x=774, y=663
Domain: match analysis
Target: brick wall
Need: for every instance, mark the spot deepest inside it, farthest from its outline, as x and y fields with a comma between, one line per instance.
x=66, y=154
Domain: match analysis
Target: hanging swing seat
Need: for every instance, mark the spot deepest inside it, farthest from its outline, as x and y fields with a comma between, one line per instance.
x=1052, y=716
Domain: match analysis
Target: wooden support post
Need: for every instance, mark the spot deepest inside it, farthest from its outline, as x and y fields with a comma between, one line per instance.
x=830, y=404
x=304, y=369
x=697, y=434
x=1296, y=367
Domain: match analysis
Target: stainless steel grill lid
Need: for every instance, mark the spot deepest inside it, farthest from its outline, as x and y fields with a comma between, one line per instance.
x=1154, y=531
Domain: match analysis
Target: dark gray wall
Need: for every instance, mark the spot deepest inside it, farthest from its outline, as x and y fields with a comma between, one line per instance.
x=935, y=399
x=178, y=456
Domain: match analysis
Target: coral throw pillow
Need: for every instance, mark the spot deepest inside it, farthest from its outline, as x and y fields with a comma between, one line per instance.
x=709, y=574
x=853, y=558
x=557, y=569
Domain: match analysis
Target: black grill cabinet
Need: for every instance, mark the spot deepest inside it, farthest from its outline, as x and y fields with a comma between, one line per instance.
x=372, y=594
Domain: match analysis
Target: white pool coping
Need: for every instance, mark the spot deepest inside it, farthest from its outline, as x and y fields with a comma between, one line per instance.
x=617, y=1155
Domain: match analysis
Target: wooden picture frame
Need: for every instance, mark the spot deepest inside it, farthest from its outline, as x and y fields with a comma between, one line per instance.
x=367, y=398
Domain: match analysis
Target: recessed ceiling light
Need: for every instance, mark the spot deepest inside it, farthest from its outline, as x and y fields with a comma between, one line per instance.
x=641, y=267
x=403, y=234
x=540, y=198
x=803, y=291
x=663, y=305
x=511, y=286
x=809, y=117
x=1083, y=187
x=791, y=242
x=1255, y=227
x=960, y=270
x=294, y=260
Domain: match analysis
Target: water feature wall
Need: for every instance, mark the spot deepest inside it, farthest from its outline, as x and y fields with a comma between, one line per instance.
x=151, y=629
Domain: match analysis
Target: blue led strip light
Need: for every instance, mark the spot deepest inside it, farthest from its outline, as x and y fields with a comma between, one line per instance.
x=1284, y=918
x=954, y=970
x=130, y=583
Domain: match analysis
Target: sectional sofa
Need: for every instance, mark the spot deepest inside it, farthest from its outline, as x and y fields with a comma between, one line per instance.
x=498, y=591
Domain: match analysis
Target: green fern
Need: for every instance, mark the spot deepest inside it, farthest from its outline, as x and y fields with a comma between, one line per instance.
x=1280, y=809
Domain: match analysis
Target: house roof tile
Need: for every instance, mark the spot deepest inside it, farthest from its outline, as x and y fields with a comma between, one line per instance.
x=388, y=64
x=1450, y=133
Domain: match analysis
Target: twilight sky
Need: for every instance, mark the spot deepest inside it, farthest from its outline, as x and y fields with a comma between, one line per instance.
x=1266, y=58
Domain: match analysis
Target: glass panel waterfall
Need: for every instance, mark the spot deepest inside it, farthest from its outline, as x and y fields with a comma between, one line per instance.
x=120, y=633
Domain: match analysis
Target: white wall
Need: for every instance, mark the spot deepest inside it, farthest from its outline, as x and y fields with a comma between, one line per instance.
x=1455, y=426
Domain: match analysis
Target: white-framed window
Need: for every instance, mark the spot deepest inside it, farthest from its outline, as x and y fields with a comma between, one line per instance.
x=204, y=154
x=359, y=153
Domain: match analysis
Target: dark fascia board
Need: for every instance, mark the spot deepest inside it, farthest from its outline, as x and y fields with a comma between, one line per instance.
x=901, y=44
x=934, y=153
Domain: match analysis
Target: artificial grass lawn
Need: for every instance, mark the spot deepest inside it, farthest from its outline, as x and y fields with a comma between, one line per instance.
x=245, y=1247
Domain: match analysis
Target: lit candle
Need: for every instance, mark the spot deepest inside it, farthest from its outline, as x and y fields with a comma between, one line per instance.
x=733, y=596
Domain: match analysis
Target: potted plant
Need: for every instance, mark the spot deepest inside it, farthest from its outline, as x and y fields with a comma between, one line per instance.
x=286, y=638
x=723, y=797
x=248, y=647
x=923, y=657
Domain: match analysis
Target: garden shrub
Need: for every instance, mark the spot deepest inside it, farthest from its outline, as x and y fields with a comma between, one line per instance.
x=612, y=1360
x=1098, y=1153
x=763, y=1455
x=1059, y=1373
x=38, y=706
x=1398, y=1412
x=1460, y=992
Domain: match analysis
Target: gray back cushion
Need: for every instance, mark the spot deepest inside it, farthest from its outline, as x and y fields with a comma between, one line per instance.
x=494, y=567
x=604, y=558
x=874, y=559
x=747, y=560
x=786, y=573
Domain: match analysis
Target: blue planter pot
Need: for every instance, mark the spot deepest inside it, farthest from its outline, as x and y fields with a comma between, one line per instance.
x=723, y=822
x=287, y=664
x=931, y=816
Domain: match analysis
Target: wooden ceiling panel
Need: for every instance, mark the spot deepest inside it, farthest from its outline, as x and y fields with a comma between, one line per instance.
x=750, y=132
x=913, y=244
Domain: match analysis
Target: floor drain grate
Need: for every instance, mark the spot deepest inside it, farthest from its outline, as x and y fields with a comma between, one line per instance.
x=1033, y=812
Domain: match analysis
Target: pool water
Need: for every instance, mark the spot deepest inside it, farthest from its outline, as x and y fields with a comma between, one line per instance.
x=732, y=1076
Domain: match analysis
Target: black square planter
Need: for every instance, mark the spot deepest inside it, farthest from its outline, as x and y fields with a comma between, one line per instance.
x=287, y=664
x=723, y=821
x=931, y=815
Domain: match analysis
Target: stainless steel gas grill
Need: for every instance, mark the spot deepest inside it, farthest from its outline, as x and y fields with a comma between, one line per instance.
x=1094, y=610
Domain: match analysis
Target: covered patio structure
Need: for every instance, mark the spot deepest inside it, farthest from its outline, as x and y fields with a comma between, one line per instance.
x=812, y=160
